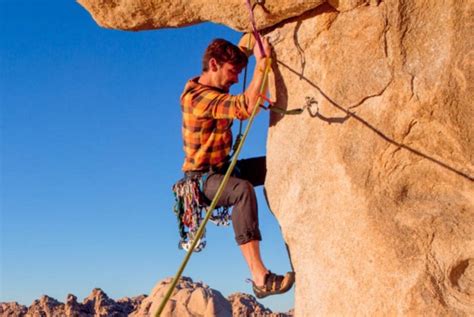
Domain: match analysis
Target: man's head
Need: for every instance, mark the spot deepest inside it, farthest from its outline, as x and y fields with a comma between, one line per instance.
x=223, y=61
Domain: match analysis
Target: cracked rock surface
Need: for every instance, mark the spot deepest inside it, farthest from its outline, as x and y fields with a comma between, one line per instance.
x=373, y=186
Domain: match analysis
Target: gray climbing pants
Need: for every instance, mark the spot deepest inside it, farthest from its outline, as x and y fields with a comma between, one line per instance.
x=240, y=193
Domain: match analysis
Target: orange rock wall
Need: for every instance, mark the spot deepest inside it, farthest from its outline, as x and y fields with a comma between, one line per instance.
x=374, y=190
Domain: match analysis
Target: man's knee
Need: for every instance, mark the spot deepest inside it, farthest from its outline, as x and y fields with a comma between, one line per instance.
x=245, y=189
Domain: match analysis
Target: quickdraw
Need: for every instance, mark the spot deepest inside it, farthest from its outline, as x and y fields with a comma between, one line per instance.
x=272, y=107
x=190, y=204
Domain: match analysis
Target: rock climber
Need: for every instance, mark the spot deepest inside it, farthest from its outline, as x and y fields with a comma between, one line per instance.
x=208, y=111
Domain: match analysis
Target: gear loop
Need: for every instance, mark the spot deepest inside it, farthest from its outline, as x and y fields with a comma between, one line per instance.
x=190, y=204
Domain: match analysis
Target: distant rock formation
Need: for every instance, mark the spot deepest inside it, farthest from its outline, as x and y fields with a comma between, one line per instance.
x=189, y=299
x=97, y=304
x=12, y=309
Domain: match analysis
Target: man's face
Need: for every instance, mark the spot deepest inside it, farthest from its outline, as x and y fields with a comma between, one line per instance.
x=227, y=75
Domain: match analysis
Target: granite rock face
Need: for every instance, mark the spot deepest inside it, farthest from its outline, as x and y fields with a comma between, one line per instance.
x=381, y=170
x=374, y=190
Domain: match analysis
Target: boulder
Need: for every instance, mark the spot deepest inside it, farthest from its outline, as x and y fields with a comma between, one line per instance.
x=131, y=304
x=188, y=299
x=100, y=305
x=73, y=308
x=246, y=305
x=45, y=306
x=374, y=190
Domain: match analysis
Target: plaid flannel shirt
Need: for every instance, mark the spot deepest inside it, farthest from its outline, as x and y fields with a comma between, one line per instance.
x=208, y=113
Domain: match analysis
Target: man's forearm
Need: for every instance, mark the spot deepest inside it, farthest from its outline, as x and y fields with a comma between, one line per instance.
x=253, y=91
x=247, y=45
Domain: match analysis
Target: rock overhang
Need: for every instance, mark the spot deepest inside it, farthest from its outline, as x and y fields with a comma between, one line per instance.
x=130, y=15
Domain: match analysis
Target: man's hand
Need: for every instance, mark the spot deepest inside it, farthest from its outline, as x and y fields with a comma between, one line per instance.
x=248, y=45
x=266, y=48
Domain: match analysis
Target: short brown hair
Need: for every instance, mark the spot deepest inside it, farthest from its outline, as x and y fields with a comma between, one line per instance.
x=224, y=52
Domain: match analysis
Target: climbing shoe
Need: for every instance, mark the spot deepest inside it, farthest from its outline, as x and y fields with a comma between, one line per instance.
x=274, y=284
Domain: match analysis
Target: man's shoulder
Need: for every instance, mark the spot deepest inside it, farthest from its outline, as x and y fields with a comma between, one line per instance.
x=193, y=88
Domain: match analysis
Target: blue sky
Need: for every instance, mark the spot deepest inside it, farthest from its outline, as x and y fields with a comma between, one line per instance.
x=90, y=146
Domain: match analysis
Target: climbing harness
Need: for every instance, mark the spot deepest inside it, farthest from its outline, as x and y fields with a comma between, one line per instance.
x=190, y=204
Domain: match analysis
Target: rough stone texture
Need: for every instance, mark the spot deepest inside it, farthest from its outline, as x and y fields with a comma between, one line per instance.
x=380, y=174
x=374, y=188
x=188, y=299
x=246, y=305
x=152, y=14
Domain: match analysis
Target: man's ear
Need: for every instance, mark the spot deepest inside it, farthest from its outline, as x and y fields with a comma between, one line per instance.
x=213, y=65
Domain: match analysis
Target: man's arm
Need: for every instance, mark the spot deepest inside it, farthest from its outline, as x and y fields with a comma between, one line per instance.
x=253, y=90
x=211, y=103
